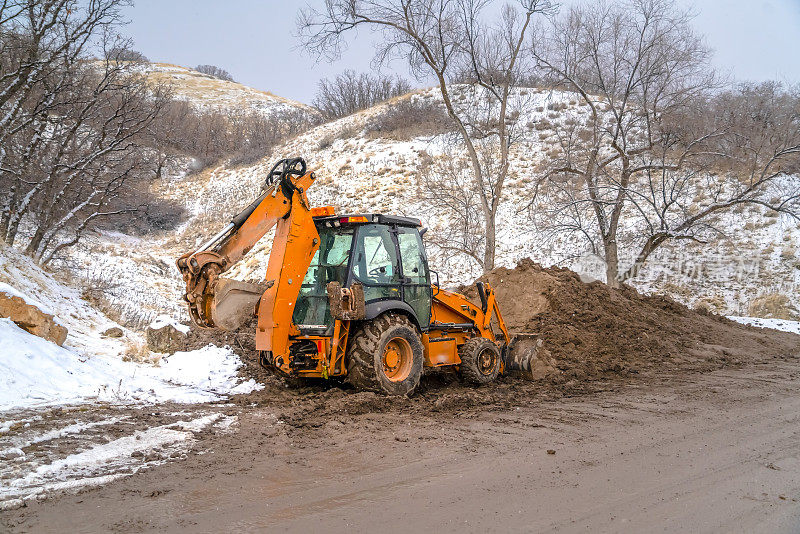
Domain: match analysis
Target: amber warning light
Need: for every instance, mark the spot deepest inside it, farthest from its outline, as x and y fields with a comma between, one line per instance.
x=344, y=220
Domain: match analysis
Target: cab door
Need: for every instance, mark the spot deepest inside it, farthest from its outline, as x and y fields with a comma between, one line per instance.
x=415, y=278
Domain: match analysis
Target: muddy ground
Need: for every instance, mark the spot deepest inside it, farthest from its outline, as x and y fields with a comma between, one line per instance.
x=704, y=452
x=650, y=416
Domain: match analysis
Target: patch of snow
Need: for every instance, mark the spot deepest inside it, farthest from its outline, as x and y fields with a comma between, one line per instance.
x=165, y=320
x=36, y=372
x=105, y=462
x=76, y=428
x=12, y=452
x=226, y=422
x=776, y=324
x=5, y=426
x=14, y=292
x=210, y=370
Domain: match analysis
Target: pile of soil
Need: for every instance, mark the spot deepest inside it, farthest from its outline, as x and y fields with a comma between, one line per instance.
x=586, y=335
x=590, y=331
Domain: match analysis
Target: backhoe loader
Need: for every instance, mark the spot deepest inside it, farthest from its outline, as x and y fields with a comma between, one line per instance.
x=345, y=295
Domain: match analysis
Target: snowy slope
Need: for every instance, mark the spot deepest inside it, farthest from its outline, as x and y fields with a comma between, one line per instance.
x=35, y=372
x=358, y=171
x=91, y=367
x=85, y=323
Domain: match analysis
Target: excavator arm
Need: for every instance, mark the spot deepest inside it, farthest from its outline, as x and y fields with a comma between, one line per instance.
x=215, y=301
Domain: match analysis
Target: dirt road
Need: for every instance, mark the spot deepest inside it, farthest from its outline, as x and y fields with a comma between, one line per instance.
x=699, y=452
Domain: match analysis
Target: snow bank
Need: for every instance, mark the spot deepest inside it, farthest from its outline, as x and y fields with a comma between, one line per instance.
x=35, y=372
x=208, y=369
x=85, y=324
x=776, y=324
x=14, y=292
x=165, y=320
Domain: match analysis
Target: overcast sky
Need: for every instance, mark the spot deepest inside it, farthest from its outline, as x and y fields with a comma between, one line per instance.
x=254, y=40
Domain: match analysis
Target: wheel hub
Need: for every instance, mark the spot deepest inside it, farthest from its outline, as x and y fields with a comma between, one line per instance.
x=397, y=358
x=486, y=362
x=392, y=358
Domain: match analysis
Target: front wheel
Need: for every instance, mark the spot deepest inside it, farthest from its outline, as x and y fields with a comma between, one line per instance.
x=386, y=355
x=480, y=361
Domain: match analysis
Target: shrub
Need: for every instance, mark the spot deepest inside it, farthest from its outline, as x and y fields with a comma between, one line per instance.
x=773, y=306
x=350, y=92
x=216, y=72
x=410, y=118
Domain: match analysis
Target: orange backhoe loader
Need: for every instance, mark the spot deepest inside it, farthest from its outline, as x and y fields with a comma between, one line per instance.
x=345, y=296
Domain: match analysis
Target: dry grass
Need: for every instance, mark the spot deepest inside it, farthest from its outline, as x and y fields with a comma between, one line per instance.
x=128, y=315
x=711, y=304
x=139, y=353
x=773, y=306
x=194, y=85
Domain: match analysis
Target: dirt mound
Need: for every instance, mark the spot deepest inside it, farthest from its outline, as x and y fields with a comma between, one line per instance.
x=584, y=333
x=593, y=331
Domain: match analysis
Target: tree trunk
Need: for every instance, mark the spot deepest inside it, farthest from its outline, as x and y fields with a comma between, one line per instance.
x=36, y=240
x=491, y=242
x=10, y=234
x=612, y=263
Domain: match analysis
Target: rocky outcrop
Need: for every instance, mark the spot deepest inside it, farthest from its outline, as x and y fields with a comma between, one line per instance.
x=114, y=331
x=166, y=335
x=31, y=319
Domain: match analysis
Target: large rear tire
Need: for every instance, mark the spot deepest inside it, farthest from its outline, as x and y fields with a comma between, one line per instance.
x=386, y=355
x=480, y=361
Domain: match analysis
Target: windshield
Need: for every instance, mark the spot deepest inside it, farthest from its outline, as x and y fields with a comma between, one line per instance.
x=328, y=265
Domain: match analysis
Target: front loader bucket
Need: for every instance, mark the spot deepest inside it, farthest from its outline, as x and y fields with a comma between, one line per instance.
x=525, y=356
x=234, y=302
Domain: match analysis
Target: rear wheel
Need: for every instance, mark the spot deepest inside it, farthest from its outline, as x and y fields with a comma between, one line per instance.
x=386, y=355
x=480, y=361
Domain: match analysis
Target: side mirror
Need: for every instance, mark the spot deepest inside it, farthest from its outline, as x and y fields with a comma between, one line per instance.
x=347, y=304
x=436, y=283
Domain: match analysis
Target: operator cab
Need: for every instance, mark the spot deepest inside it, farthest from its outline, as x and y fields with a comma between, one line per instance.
x=384, y=253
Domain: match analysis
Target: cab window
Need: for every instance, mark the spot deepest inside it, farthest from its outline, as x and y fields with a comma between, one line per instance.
x=376, y=264
x=412, y=254
x=328, y=265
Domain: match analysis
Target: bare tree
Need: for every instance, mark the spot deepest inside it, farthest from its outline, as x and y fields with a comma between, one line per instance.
x=632, y=65
x=443, y=39
x=72, y=136
x=457, y=207
x=657, y=154
x=37, y=40
x=241, y=136
x=216, y=72
x=124, y=52
x=84, y=167
x=350, y=92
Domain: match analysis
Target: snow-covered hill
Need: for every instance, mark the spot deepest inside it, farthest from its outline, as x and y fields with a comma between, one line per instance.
x=93, y=367
x=359, y=170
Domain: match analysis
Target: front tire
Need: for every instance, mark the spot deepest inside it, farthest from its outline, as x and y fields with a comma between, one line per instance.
x=386, y=355
x=480, y=361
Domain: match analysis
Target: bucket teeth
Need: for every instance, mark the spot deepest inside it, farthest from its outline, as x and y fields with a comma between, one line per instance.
x=521, y=353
